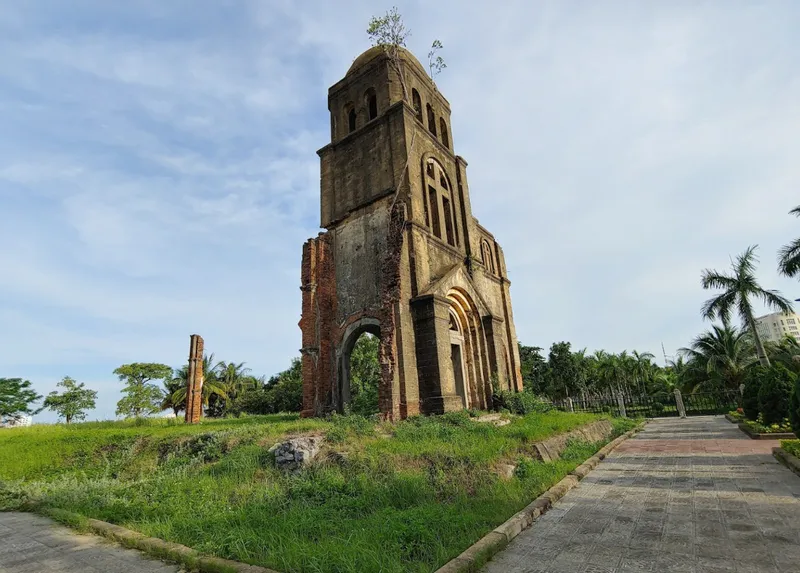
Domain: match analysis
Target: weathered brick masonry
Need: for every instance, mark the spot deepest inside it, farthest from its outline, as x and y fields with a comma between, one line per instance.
x=402, y=256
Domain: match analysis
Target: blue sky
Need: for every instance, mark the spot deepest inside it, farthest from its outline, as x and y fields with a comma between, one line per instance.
x=158, y=167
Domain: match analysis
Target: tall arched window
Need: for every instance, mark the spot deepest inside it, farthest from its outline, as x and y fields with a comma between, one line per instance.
x=440, y=199
x=431, y=119
x=372, y=103
x=486, y=254
x=350, y=112
x=417, y=102
x=443, y=129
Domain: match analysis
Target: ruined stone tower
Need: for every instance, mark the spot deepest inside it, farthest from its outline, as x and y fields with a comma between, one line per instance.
x=402, y=256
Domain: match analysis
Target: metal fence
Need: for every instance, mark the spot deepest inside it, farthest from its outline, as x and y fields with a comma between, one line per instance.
x=662, y=405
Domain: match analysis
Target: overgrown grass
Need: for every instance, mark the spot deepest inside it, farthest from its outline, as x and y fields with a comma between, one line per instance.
x=401, y=497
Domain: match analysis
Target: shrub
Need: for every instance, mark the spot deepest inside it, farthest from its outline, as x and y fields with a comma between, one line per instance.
x=752, y=384
x=773, y=396
x=794, y=407
x=522, y=403
x=791, y=446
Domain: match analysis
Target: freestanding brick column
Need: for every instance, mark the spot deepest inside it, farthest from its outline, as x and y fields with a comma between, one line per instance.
x=194, y=382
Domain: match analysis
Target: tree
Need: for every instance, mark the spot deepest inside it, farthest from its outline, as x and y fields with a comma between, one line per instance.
x=775, y=393
x=724, y=353
x=534, y=369
x=214, y=392
x=738, y=288
x=171, y=386
x=141, y=397
x=73, y=402
x=561, y=370
x=390, y=33
x=789, y=256
x=365, y=375
x=234, y=378
x=17, y=398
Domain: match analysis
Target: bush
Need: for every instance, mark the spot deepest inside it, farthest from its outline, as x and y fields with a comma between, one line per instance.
x=794, y=407
x=791, y=447
x=752, y=384
x=522, y=403
x=773, y=396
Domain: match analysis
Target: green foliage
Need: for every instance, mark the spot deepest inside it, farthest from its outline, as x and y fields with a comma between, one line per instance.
x=16, y=398
x=789, y=255
x=738, y=289
x=752, y=385
x=435, y=63
x=534, y=369
x=139, y=396
x=388, y=30
x=791, y=447
x=794, y=407
x=522, y=403
x=722, y=357
x=281, y=393
x=562, y=370
x=773, y=397
x=73, y=402
x=365, y=376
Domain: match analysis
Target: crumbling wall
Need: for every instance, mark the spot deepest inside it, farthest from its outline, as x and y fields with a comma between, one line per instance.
x=194, y=380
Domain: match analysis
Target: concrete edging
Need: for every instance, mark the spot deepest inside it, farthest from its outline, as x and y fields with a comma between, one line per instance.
x=787, y=459
x=158, y=548
x=475, y=556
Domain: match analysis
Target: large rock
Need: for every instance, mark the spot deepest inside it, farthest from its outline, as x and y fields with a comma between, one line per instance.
x=292, y=455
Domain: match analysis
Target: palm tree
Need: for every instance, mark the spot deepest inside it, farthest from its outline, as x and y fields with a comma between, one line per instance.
x=233, y=376
x=723, y=354
x=171, y=386
x=211, y=383
x=642, y=368
x=789, y=256
x=738, y=288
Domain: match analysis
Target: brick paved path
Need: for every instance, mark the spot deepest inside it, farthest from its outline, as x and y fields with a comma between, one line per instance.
x=693, y=495
x=33, y=544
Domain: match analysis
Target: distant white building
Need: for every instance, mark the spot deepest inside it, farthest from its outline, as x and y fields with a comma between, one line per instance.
x=774, y=327
x=20, y=422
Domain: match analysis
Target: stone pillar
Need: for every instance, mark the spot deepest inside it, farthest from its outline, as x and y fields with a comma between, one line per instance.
x=432, y=328
x=493, y=327
x=194, y=382
x=621, y=404
x=679, y=403
x=570, y=405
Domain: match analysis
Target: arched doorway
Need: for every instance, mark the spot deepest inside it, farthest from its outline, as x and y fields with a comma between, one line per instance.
x=457, y=359
x=471, y=370
x=359, y=369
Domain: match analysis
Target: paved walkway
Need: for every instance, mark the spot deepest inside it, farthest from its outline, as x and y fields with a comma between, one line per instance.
x=693, y=495
x=33, y=544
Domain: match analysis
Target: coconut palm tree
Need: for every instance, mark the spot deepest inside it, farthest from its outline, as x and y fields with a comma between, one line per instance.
x=789, y=256
x=723, y=354
x=737, y=290
x=212, y=386
x=234, y=377
x=642, y=369
x=171, y=386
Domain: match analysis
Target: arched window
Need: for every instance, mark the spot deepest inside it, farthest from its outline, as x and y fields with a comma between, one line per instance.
x=351, y=118
x=431, y=119
x=417, y=102
x=486, y=254
x=372, y=103
x=440, y=203
x=443, y=129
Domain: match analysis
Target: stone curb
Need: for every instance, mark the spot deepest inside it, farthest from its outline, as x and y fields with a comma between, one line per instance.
x=161, y=549
x=787, y=459
x=475, y=556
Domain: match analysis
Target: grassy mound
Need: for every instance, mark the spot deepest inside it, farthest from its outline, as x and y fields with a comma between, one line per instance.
x=389, y=497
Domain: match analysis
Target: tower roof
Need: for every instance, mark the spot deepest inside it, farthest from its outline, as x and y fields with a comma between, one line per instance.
x=376, y=51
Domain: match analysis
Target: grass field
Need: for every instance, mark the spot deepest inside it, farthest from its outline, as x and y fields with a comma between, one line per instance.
x=401, y=497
